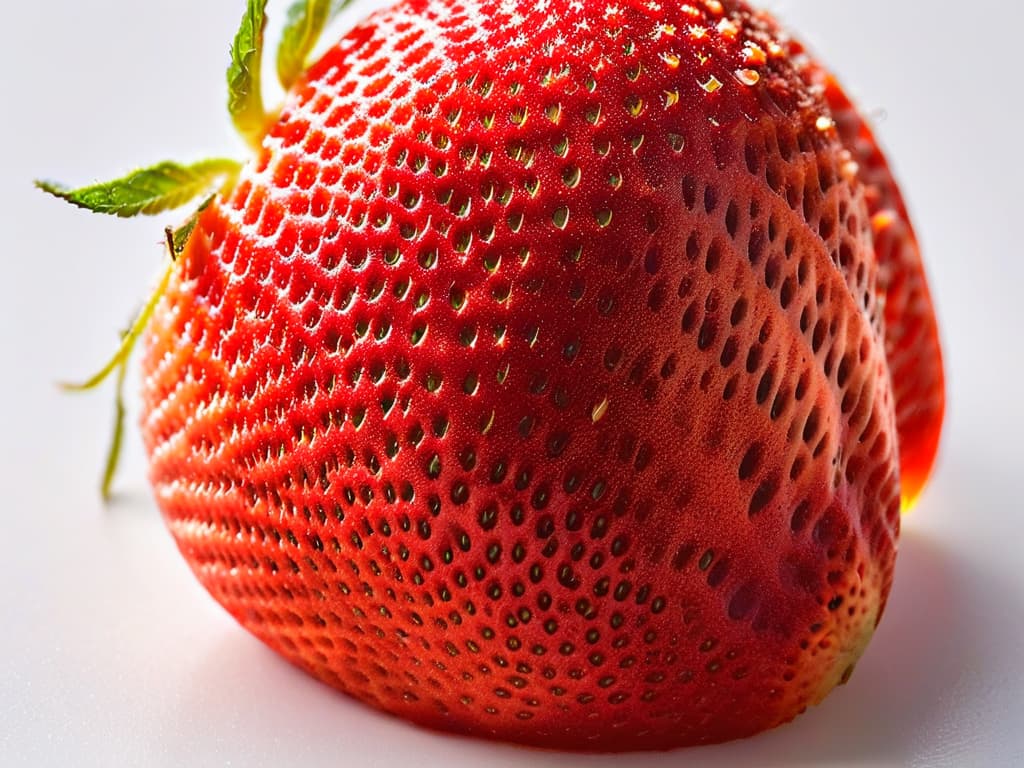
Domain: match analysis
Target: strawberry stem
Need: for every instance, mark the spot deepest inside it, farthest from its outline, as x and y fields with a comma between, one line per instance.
x=128, y=342
x=119, y=363
x=117, y=437
x=169, y=185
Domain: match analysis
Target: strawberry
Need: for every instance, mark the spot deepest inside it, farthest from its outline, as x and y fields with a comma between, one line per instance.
x=549, y=372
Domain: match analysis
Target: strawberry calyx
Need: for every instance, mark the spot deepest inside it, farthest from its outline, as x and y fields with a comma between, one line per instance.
x=170, y=185
x=304, y=23
x=146, y=191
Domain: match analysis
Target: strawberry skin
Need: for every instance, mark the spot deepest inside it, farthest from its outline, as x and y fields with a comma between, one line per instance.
x=912, y=333
x=532, y=382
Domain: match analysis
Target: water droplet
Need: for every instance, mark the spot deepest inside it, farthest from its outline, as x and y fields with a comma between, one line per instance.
x=748, y=76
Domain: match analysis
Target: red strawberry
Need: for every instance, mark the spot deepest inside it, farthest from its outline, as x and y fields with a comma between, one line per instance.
x=535, y=381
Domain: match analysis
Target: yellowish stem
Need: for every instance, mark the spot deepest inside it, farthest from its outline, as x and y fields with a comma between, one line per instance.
x=128, y=342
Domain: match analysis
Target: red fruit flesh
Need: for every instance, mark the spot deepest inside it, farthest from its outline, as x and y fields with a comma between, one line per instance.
x=532, y=383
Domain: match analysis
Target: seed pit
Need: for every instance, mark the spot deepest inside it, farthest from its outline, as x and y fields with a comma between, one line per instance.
x=751, y=461
x=762, y=496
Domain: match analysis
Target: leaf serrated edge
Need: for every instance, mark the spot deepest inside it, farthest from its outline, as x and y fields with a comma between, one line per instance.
x=147, y=191
x=245, y=97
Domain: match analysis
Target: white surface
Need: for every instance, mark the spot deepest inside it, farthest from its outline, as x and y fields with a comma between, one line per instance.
x=110, y=654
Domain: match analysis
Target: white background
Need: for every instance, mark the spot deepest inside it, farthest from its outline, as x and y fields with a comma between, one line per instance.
x=110, y=653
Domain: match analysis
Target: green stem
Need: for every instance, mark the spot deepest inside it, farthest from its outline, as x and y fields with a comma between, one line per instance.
x=129, y=340
x=117, y=438
x=119, y=363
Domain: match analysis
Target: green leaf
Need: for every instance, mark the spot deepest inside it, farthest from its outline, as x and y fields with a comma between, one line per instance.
x=245, y=99
x=302, y=28
x=161, y=187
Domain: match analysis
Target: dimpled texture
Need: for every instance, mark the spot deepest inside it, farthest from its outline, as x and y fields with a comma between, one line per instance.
x=532, y=382
x=912, y=333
